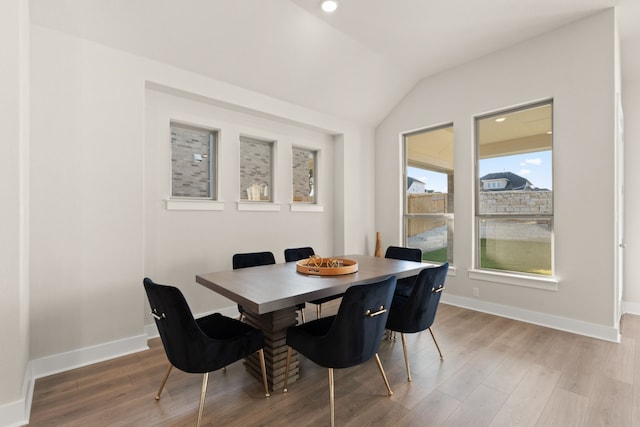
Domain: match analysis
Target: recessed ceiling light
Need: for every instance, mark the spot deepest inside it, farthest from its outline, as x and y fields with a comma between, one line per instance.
x=329, y=6
x=501, y=119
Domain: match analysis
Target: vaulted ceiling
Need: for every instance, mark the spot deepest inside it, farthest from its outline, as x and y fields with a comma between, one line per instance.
x=356, y=63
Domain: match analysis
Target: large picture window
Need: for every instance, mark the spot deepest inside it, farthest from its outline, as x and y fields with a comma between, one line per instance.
x=514, y=190
x=428, y=217
x=193, y=161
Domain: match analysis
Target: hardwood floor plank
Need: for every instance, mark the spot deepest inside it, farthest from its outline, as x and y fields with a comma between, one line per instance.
x=526, y=403
x=587, y=358
x=635, y=410
x=509, y=373
x=431, y=411
x=611, y=404
x=478, y=409
x=620, y=363
x=564, y=409
x=472, y=374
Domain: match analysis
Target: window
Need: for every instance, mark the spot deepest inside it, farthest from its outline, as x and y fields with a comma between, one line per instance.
x=428, y=218
x=256, y=169
x=514, y=191
x=498, y=184
x=193, y=163
x=303, y=176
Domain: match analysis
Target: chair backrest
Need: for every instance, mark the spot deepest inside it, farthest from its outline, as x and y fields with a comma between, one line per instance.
x=182, y=338
x=419, y=310
x=406, y=254
x=356, y=332
x=252, y=259
x=296, y=254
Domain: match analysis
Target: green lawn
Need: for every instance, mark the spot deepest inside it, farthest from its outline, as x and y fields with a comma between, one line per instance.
x=510, y=255
x=514, y=255
x=438, y=255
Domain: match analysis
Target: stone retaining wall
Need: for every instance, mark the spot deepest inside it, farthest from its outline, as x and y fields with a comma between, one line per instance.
x=516, y=202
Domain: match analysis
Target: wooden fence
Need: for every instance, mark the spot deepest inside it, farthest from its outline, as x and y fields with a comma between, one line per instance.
x=426, y=203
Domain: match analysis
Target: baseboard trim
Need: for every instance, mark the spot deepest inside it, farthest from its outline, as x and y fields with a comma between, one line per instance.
x=631, y=308
x=542, y=319
x=17, y=413
x=14, y=414
x=61, y=362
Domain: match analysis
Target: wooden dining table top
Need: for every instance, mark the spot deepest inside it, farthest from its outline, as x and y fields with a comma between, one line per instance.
x=268, y=288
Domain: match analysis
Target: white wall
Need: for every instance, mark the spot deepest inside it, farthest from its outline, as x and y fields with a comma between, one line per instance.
x=631, y=105
x=575, y=66
x=180, y=244
x=86, y=195
x=14, y=285
x=99, y=183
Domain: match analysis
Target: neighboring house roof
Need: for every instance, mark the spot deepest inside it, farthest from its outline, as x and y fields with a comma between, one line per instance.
x=411, y=180
x=514, y=182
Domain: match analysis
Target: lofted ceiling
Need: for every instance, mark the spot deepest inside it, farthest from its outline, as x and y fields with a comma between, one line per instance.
x=356, y=63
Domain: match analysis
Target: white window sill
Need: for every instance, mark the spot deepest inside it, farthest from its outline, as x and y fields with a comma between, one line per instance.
x=194, y=205
x=305, y=207
x=258, y=207
x=545, y=283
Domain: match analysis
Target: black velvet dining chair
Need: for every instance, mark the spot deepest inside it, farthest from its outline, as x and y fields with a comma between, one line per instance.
x=350, y=337
x=417, y=312
x=256, y=259
x=296, y=254
x=200, y=345
x=406, y=254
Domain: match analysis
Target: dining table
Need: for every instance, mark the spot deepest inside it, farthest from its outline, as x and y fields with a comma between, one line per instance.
x=269, y=295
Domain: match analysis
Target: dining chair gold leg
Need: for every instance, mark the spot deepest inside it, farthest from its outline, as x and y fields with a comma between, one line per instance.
x=332, y=408
x=205, y=378
x=384, y=376
x=318, y=311
x=302, y=315
x=436, y=343
x=286, y=370
x=406, y=356
x=164, y=381
x=264, y=373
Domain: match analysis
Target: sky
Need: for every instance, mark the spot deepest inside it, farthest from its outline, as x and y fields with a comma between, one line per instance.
x=536, y=167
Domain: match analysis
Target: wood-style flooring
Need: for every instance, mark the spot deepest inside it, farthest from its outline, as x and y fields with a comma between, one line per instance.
x=496, y=372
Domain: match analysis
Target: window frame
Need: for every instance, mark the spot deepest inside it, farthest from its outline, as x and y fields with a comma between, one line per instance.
x=512, y=276
x=314, y=176
x=271, y=143
x=214, y=138
x=448, y=217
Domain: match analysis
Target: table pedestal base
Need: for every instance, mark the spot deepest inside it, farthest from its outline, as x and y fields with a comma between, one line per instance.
x=274, y=326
